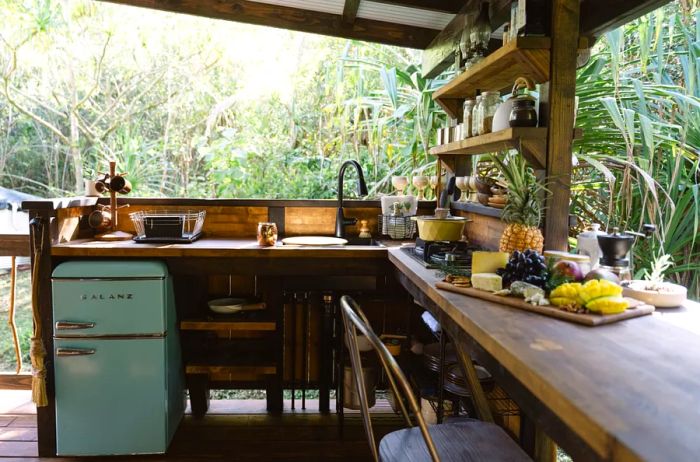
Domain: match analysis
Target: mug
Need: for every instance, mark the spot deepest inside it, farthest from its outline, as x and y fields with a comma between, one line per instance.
x=100, y=219
x=91, y=188
x=119, y=184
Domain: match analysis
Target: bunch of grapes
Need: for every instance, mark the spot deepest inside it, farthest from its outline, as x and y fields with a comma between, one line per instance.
x=525, y=266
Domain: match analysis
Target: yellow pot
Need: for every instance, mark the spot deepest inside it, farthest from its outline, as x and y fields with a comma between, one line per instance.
x=440, y=229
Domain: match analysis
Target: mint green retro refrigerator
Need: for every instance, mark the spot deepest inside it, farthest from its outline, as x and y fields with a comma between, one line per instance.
x=118, y=368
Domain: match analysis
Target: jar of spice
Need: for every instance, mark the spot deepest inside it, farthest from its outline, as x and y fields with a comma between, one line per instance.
x=267, y=234
x=490, y=100
x=475, y=116
x=467, y=115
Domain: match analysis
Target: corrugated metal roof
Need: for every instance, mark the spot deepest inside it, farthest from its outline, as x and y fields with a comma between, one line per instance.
x=378, y=11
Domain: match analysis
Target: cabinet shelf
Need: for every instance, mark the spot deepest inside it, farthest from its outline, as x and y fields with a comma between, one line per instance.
x=530, y=141
x=249, y=325
x=521, y=57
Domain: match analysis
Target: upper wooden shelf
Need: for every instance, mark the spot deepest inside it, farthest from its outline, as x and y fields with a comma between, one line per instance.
x=522, y=57
x=530, y=141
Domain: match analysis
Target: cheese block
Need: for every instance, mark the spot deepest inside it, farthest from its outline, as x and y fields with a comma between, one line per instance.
x=491, y=282
x=488, y=262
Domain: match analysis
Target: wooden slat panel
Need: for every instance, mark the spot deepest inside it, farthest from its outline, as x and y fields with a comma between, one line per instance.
x=295, y=19
x=15, y=382
x=228, y=325
x=14, y=245
x=482, y=230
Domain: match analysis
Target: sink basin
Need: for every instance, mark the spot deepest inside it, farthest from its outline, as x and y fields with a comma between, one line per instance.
x=363, y=241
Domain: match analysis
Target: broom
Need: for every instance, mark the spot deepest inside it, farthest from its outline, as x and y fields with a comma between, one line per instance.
x=37, y=352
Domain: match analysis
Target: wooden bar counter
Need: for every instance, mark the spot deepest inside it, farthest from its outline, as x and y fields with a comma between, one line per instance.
x=626, y=392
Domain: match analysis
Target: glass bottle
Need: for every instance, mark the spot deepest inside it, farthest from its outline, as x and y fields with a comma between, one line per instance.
x=480, y=34
x=475, y=116
x=490, y=100
x=467, y=115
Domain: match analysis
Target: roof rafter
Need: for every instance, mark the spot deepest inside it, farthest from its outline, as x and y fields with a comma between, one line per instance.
x=350, y=11
x=316, y=22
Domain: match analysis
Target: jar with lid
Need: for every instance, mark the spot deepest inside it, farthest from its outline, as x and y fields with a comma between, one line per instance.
x=467, y=116
x=490, y=100
x=476, y=114
x=587, y=244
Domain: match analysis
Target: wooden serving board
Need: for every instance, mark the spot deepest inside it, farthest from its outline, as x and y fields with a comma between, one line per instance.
x=586, y=319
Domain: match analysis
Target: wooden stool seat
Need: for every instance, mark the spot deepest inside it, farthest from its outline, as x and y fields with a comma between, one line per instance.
x=464, y=440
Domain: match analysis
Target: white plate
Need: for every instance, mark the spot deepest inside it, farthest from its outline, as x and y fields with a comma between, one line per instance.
x=314, y=240
x=675, y=296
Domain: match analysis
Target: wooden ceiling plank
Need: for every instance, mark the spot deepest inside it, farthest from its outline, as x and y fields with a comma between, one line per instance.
x=442, y=6
x=297, y=19
x=350, y=11
x=600, y=16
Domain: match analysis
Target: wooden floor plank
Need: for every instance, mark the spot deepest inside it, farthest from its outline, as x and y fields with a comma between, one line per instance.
x=18, y=449
x=17, y=434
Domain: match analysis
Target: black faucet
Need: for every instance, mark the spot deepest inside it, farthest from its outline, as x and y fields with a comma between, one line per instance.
x=340, y=221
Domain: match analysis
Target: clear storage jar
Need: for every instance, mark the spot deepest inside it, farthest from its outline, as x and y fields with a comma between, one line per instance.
x=490, y=100
x=476, y=113
x=467, y=116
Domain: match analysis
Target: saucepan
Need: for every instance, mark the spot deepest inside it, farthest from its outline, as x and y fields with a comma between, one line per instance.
x=431, y=228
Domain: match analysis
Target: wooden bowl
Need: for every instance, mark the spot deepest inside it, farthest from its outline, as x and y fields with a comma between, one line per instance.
x=483, y=187
x=498, y=199
x=498, y=191
x=483, y=198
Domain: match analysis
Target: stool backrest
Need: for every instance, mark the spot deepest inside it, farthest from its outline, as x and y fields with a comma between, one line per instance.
x=354, y=320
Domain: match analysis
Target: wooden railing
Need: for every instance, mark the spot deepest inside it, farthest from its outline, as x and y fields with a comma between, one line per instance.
x=15, y=245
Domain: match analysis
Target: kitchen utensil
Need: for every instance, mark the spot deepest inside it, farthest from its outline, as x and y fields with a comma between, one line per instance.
x=314, y=240
x=660, y=295
x=91, y=189
x=100, y=219
x=431, y=228
x=498, y=199
x=119, y=184
x=396, y=227
x=233, y=305
x=616, y=247
x=501, y=120
x=267, y=234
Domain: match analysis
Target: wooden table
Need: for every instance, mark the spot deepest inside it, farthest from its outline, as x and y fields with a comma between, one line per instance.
x=626, y=392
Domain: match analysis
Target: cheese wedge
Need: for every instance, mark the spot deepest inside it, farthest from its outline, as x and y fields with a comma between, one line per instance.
x=490, y=282
x=488, y=262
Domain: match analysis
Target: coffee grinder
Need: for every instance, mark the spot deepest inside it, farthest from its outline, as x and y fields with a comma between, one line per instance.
x=616, y=249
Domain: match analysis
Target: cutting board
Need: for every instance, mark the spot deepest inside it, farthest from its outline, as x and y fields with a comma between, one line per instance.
x=551, y=311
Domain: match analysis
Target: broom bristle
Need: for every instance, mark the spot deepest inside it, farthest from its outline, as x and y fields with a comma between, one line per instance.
x=37, y=354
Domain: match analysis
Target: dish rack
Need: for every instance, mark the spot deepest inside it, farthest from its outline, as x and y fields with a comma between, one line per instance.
x=396, y=227
x=168, y=226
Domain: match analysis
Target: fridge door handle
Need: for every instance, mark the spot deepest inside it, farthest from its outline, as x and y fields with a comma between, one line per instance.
x=75, y=351
x=71, y=325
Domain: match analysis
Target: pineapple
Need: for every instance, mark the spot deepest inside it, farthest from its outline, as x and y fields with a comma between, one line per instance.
x=523, y=210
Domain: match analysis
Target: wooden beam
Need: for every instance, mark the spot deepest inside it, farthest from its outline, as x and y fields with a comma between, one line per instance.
x=600, y=16
x=439, y=55
x=15, y=381
x=350, y=11
x=295, y=19
x=443, y=6
x=16, y=245
x=560, y=119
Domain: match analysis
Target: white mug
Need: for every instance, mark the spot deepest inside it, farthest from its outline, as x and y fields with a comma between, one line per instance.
x=90, y=189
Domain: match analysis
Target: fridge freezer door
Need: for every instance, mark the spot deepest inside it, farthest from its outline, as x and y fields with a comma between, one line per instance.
x=89, y=307
x=111, y=396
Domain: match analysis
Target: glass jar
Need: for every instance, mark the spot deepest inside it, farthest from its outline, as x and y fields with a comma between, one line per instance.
x=475, y=116
x=467, y=116
x=490, y=100
x=267, y=234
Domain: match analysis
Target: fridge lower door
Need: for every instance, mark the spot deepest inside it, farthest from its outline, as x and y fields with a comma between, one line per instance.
x=111, y=396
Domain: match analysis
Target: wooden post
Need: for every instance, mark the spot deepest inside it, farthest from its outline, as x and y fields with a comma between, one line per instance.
x=560, y=118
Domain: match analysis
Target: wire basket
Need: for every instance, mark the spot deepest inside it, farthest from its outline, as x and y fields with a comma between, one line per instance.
x=396, y=227
x=167, y=226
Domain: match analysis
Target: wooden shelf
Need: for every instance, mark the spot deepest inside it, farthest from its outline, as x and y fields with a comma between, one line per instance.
x=228, y=325
x=530, y=141
x=477, y=208
x=522, y=57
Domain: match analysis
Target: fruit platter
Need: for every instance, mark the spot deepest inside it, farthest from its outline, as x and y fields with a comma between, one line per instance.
x=551, y=285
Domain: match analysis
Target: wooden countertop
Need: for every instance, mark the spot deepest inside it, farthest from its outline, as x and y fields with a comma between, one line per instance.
x=630, y=391
x=211, y=247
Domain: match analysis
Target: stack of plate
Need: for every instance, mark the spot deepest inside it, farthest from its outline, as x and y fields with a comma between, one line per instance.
x=431, y=356
x=456, y=383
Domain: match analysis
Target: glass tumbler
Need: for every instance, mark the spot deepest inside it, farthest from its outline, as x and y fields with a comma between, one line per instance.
x=267, y=234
